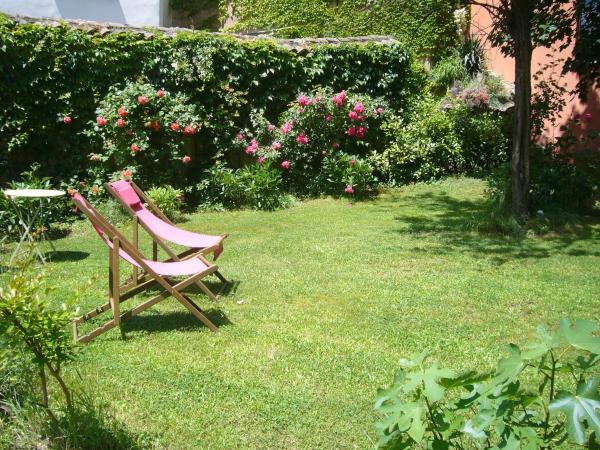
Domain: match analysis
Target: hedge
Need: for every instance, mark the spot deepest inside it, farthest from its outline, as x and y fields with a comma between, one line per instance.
x=49, y=72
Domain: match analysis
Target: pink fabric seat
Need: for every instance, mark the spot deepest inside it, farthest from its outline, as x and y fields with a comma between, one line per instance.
x=161, y=228
x=190, y=266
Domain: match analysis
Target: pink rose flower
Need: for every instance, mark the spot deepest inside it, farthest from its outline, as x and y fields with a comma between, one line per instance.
x=327, y=118
x=239, y=136
x=302, y=139
x=160, y=93
x=134, y=148
x=101, y=121
x=251, y=149
x=303, y=100
x=120, y=123
x=142, y=100
x=349, y=189
x=351, y=131
x=189, y=130
x=352, y=162
x=126, y=173
x=260, y=160
x=271, y=127
x=186, y=159
x=67, y=120
x=276, y=145
x=359, y=108
x=339, y=99
x=174, y=126
x=285, y=164
x=360, y=132
x=318, y=99
x=122, y=112
x=379, y=110
x=94, y=157
x=353, y=115
x=287, y=127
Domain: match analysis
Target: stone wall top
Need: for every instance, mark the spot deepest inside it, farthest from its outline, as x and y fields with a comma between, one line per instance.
x=298, y=45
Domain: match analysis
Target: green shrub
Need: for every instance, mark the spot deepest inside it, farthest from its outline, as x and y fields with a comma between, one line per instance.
x=423, y=148
x=538, y=397
x=564, y=176
x=168, y=199
x=446, y=72
x=433, y=143
x=255, y=186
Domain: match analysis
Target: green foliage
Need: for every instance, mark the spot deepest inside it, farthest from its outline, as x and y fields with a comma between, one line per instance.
x=472, y=55
x=168, y=199
x=423, y=148
x=32, y=325
x=446, y=72
x=435, y=142
x=429, y=407
x=584, y=60
x=50, y=73
x=425, y=27
x=256, y=186
x=143, y=131
x=566, y=173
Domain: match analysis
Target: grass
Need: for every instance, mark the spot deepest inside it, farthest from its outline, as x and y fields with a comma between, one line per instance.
x=328, y=296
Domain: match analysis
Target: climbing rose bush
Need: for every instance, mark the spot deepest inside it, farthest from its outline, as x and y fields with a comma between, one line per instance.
x=143, y=131
x=321, y=144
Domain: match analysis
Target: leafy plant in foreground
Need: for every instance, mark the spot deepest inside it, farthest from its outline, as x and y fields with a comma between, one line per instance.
x=30, y=324
x=439, y=408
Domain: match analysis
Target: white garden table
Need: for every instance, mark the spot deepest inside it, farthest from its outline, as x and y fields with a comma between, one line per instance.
x=29, y=216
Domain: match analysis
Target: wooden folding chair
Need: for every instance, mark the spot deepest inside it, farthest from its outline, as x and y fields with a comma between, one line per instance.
x=160, y=228
x=152, y=273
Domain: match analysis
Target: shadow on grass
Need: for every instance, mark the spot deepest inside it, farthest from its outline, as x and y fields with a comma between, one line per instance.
x=65, y=255
x=455, y=222
x=181, y=321
x=90, y=426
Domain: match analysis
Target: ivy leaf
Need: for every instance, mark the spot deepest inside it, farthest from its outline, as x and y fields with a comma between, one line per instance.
x=580, y=334
x=583, y=406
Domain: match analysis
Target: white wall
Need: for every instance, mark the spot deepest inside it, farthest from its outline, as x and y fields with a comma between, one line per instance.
x=132, y=12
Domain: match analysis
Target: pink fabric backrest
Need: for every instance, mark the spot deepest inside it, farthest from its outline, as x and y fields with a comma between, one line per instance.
x=127, y=194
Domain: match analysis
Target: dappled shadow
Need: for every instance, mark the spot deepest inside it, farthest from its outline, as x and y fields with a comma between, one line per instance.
x=454, y=223
x=173, y=321
x=65, y=255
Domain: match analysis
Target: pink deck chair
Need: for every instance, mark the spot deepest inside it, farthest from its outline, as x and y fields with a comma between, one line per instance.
x=152, y=272
x=160, y=228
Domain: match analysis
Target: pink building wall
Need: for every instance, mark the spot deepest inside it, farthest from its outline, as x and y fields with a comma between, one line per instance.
x=481, y=23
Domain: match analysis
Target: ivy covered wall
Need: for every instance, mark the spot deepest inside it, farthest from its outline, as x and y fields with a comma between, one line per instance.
x=50, y=72
x=425, y=27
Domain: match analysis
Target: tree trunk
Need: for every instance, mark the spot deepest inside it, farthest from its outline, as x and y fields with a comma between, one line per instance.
x=522, y=11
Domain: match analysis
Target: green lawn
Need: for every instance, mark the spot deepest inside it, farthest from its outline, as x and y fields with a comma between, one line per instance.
x=328, y=297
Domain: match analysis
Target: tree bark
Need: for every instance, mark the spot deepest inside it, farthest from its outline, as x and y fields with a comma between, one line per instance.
x=522, y=12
